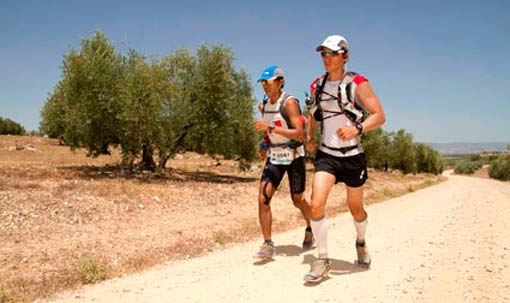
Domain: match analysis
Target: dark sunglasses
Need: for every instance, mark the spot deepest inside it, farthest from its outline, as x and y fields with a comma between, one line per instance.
x=329, y=53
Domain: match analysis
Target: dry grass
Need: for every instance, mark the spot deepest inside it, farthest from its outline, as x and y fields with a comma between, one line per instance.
x=92, y=269
x=3, y=296
x=66, y=219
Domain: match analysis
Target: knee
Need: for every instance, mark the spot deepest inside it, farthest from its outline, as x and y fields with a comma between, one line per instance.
x=264, y=199
x=298, y=200
x=317, y=208
x=357, y=209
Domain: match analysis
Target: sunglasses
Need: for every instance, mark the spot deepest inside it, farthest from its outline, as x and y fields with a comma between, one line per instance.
x=268, y=82
x=329, y=53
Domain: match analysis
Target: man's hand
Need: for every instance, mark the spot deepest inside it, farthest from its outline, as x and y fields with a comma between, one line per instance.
x=347, y=132
x=311, y=145
x=262, y=153
x=261, y=126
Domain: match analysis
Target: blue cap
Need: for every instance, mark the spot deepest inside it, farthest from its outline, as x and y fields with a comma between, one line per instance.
x=270, y=73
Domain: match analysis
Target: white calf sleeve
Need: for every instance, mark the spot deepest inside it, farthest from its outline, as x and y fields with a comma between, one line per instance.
x=320, y=232
x=361, y=228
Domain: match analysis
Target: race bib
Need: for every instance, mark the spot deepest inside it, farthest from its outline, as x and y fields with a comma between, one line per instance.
x=281, y=156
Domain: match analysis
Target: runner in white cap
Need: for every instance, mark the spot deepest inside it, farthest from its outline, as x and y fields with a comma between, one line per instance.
x=338, y=101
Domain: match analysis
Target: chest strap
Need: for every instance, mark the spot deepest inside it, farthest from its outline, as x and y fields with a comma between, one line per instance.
x=343, y=150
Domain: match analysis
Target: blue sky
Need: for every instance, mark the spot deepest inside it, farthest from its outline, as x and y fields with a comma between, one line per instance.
x=440, y=68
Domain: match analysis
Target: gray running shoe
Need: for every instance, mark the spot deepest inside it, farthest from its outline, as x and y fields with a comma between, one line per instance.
x=363, y=255
x=266, y=251
x=309, y=240
x=318, y=270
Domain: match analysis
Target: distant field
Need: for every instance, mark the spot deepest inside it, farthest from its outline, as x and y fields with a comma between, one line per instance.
x=66, y=219
x=459, y=148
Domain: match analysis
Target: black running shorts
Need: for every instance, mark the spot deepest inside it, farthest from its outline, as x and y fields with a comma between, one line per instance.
x=296, y=173
x=349, y=170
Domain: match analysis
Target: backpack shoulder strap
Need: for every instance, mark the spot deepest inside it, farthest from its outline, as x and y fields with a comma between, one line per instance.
x=320, y=89
x=283, y=111
x=264, y=102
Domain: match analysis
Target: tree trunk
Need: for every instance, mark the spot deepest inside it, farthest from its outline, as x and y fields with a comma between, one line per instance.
x=148, y=158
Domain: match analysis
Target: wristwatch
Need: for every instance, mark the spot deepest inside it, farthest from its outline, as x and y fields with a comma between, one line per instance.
x=359, y=127
x=271, y=127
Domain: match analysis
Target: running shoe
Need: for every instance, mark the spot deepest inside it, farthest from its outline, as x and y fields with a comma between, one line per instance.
x=266, y=251
x=309, y=240
x=363, y=255
x=319, y=270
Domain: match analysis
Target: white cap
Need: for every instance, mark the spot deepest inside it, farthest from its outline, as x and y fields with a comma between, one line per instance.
x=334, y=43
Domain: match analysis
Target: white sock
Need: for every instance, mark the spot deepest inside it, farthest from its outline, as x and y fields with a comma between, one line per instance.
x=361, y=228
x=320, y=232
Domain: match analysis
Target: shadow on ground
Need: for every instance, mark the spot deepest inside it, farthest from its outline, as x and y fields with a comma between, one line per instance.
x=176, y=175
x=338, y=268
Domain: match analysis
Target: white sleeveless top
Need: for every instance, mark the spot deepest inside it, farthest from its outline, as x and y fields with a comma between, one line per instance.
x=271, y=113
x=332, y=119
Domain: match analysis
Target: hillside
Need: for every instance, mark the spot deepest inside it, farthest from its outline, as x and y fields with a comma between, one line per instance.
x=468, y=148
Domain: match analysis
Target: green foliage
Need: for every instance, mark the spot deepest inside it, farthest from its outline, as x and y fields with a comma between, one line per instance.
x=84, y=108
x=500, y=168
x=10, y=127
x=475, y=157
x=141, y=105
x=452, y=160
x=428, y=160
x=375, y=144
x=152, y=109
x=222, y=106
x=467, y=167
x=402, y=154
x=53, y=114
x=398, y=151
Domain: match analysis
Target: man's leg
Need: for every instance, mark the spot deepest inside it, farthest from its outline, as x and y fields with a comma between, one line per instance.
x=355, y=204
x=303, y=205
x=322, y=184
x=297, y=181
x=266, y=191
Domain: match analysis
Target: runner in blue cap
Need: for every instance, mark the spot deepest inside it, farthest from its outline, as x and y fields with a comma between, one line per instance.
x=283, y=128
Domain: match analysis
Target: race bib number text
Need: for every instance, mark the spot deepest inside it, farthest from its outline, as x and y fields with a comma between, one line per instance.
x=281, y=156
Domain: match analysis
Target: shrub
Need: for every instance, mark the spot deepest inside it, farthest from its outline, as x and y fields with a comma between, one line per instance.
x=467, y=167
x=388, y=192
x=3, y=296
x=10, y=127
x=220, y=237
x=475, y=157
x=92, y=269
x=500, y=168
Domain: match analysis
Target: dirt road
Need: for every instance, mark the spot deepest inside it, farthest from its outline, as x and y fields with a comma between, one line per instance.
x=445, y=243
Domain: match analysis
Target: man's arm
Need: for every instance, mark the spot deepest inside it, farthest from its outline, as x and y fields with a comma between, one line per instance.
x=294, y=114
x=370, y=101
x=311, y=143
